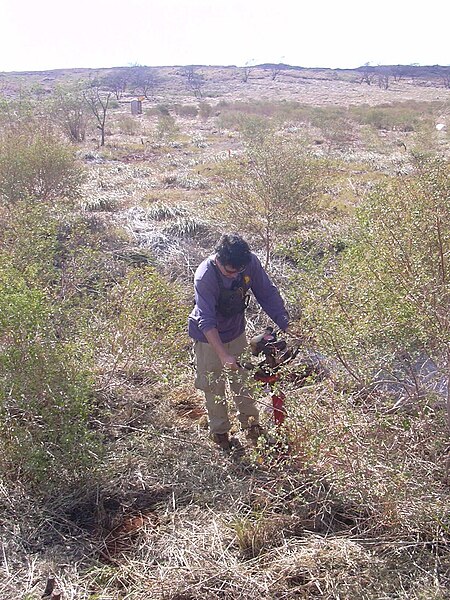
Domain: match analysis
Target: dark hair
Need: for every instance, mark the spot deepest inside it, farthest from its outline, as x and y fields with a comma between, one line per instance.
x=233, y=250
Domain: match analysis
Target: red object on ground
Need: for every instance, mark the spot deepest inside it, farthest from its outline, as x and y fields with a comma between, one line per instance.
x=278, y=412
x=277, y=399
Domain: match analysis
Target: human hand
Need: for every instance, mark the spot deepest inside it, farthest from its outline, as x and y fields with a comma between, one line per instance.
x=229, y=362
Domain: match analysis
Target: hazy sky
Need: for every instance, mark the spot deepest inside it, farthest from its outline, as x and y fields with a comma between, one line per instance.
x=50, y=34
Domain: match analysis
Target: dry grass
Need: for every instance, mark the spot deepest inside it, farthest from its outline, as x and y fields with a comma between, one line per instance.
x=357, y=509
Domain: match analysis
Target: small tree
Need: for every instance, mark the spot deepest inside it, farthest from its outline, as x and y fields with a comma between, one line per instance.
x=69, y=109
x=98, y=101
x=247, y=69
x=194, y=80
x=399, y=72
x=367, y=74
x=275, y=70
x=143, y=80
x=117, y=82
x=265, y=192
x=384, y=74
x=167, y=128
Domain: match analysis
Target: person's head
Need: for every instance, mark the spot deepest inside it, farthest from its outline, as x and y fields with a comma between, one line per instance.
x=233, y=253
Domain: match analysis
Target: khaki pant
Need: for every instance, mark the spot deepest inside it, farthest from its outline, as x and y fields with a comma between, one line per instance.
x=211, y=379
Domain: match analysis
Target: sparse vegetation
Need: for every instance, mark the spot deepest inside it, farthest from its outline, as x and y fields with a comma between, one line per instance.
x=108, y=479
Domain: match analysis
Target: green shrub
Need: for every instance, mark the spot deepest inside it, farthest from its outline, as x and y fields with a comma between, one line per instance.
x=407, y=116
x=44, y=392
x=167, y=128
x=69, y=110
x=30, y=238
x=61, y=253
x=128, y=125
x=146, y=322
x=186, y=110
x=163, y=110
x=391, y=293
x=18, y=112
x=268, y=189
x=37, y=165
x=205, y=110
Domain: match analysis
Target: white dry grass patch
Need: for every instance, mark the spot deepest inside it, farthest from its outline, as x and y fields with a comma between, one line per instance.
x=110, y=186
x=185, y=180
x=172, y=233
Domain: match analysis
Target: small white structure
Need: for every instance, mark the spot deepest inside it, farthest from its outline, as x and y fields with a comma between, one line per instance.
x=136, y=107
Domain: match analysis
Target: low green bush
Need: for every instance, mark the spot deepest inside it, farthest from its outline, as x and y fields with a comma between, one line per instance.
x=37, y=165
x=45, y=392
x=144, y=328
x=402, y=116
x=186, y=110
x=166, y=128
x=59, y=252
x=205, y=110
x=388, y=295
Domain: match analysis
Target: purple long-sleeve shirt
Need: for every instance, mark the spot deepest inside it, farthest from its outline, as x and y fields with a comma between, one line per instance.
x=204, y=316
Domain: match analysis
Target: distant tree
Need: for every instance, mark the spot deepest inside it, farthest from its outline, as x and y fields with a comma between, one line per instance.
x=383, y=74
x=275, y=70
x=143, y=80
x=98, y=102
x=247, y=69
x=367, y=74
x=194, y=80
x=398, y=72
x=117, y=82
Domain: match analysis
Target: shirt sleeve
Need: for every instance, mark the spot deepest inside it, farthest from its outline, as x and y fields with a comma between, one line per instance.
x=268, y=296
x=206, y=297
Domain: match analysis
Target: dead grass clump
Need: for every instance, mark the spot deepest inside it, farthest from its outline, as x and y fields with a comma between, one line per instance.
x=162, y=211
x=317, y=567
x=387, y=464
x=185, y=181
x=256, y=533
x=188, y=403
x=186, y=227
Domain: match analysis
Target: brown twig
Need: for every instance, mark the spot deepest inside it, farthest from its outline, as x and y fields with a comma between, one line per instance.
x=49, y=586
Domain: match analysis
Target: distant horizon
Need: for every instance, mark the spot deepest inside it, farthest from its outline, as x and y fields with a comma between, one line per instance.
x=228, y=66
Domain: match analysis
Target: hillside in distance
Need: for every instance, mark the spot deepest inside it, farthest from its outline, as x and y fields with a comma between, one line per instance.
x=365, y=85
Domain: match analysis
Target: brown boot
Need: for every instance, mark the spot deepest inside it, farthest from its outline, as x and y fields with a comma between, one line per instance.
x=254, y=432
x=222, y=440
